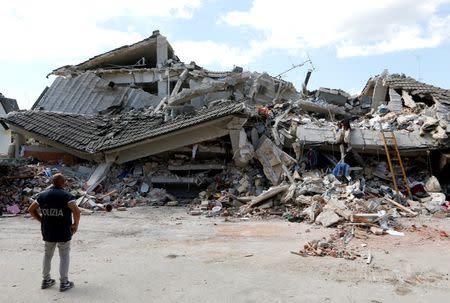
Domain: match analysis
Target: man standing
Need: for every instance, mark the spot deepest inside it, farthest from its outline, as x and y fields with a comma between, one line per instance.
x=57, y=207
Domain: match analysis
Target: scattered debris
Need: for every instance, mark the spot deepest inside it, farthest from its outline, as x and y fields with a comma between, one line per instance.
x=328, y=218
x=333, y=247
x=394, y=233
x=153, y=130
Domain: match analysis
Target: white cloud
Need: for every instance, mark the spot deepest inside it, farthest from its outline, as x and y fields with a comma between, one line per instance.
x=352, y=27
x=210, y=53
x=403, y=39
x=53, y=29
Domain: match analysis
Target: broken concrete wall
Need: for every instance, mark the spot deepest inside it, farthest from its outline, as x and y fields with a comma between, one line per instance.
x=329, y=110
x=395, y=101
x=362, y=139
x=275, y=162
x=207, y=90
x=205, y=99
x=264, y=89
x=162, y=50
x=254, y=88
x=152, y=80
x=243, y=151
x=380, y=91
x=334, y=96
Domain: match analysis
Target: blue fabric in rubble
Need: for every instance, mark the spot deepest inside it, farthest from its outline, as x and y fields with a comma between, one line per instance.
x=341, y=169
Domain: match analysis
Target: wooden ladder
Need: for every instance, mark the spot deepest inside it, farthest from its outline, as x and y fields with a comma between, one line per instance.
x=390, y=136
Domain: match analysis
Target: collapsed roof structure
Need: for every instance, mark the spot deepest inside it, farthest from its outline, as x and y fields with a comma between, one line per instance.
x=140, y=100
x=129, y=136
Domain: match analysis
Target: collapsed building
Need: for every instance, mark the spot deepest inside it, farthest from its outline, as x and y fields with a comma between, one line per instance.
x=161, y=130
x=7, y=105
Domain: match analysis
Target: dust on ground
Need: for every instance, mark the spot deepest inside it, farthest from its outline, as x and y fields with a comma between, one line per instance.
x=165, y=255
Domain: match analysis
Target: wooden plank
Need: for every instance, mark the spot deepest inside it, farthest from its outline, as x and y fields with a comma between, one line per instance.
x=404, y=208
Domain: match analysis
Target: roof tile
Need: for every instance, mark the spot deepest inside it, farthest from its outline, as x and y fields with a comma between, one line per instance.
x=98, y=133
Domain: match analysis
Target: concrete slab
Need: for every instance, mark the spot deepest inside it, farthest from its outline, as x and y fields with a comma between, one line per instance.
x=362, y=139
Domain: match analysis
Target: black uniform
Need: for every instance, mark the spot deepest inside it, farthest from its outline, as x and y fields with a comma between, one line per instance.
x=56, y=215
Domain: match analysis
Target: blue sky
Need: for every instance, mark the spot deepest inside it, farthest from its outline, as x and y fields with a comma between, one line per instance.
x=348, y=40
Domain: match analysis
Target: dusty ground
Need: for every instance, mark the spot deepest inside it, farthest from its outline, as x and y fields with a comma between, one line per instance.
x=165, y=255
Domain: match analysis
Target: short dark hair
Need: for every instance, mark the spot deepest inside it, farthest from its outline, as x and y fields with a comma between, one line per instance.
x=57, y=178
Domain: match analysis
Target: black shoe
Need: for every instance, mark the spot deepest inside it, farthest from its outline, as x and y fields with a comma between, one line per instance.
x=47, y=283
x=66, y=286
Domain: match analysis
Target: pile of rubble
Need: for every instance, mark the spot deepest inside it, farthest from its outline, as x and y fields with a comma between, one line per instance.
x=21, y=181
x=335, y=246
x=321, y=197
x=241, y=143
